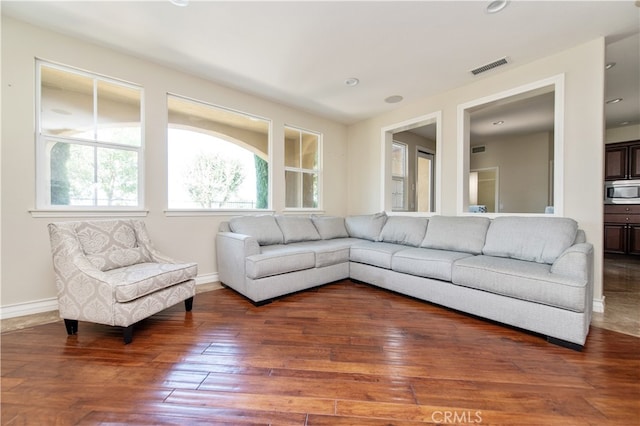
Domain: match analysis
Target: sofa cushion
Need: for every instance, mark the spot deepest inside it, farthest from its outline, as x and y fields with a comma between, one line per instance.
x=329, y=252
x=536, y=239
x=367, y=227
x=330, y=227
x=427, y=263
x=405, y=230
x=263, y=228
x=276, y=262
x=297, y=228
x=374, y=253
x=520, y=279
x=456, y=233
x=138, y=280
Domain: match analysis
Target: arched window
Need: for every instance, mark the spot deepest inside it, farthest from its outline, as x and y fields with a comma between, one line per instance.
x=217, y=158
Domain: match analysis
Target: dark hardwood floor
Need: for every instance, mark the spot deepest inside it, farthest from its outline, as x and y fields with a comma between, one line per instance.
x=342, y=354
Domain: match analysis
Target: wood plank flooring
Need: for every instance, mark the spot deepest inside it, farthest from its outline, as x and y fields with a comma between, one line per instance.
x=342, y=354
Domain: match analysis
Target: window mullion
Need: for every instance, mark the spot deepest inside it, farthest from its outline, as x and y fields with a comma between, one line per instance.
x=70, y=144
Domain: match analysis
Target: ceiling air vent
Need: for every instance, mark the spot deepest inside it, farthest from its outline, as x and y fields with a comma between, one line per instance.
x=490, y=66
x=478, y=149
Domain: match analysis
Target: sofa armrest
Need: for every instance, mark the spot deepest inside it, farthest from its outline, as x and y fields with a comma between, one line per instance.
x=232, y=250
x=576, y=262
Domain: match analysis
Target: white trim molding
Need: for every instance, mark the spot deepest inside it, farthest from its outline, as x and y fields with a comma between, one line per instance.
x=463, y=142
x=29, y=308
x=598, y=305
x=76, y=213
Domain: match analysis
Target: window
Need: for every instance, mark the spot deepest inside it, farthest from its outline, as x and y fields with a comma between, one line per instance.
x=302, y=168
x=217, y=158
x=399, y=176
x=89, y=140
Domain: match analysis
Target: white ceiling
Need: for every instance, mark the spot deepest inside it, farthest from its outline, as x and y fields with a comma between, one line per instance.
x=300, y=53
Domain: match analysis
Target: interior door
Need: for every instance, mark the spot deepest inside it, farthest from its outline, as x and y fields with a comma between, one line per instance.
x=425, y=181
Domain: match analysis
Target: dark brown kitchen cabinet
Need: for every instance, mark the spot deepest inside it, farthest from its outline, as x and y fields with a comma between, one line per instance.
x=622, y=229
x=622, y=160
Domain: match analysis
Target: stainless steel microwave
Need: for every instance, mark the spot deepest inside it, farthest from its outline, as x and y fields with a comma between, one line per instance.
x=622, y=192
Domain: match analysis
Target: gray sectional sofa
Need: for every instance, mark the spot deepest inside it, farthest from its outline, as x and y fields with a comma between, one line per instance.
x=534, y=273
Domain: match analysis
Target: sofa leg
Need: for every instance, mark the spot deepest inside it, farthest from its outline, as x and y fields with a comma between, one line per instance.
x=188, y=304
x=565, y=344
x=72, y=326
x=128, y=334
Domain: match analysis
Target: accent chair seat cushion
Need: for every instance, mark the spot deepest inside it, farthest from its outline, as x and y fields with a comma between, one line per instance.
x=132, y=282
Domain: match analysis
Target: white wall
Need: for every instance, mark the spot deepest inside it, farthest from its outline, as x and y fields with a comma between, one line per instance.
x=623, y=134
x=583, y=67
x=27, y=277
x=518, y=157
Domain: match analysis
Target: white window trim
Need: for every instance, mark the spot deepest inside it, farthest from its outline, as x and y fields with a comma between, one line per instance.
x=318, y=173
x=43, y=204
x=194, y=212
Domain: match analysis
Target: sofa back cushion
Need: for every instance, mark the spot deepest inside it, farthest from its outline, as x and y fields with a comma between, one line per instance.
x=405, y=230
x=330, y=227
x=536, y=239
x=457, y=233
x=263, y=228
x=367, y=227
x=110, y=244
x=297, y=228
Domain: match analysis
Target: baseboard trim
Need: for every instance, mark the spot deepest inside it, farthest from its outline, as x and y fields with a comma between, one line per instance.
x=29, y=308
x=207, y=278
x=598, y=305
x=51, y=304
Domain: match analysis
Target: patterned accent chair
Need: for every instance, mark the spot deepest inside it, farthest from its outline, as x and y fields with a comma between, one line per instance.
x=108, y=272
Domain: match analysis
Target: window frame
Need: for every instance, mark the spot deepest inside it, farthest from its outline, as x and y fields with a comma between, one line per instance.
x=317, y=172
x=188, y=212
x=402, y=179
x=44, y=208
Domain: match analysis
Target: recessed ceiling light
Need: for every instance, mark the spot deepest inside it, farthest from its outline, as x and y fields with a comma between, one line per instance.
x=496, y=6
x=498, y=123
x=393, y=99
x=352, y=81
x=181, y=3
x=624, y=123
x=609, y=65
x=614, y=101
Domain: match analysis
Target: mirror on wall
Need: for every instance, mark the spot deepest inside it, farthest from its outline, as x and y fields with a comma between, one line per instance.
x=411, y=165
x=511, y=148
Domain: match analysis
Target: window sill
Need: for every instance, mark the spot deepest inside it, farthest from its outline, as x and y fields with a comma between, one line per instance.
x=292, y=210
x=214, y=212
x=73, y=213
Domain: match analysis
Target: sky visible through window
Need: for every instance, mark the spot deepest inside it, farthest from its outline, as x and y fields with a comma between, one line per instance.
x=184, y=148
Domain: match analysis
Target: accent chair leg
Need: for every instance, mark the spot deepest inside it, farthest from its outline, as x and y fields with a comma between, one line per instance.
x=128, y=334
x=72, y=326
x=188, y=304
